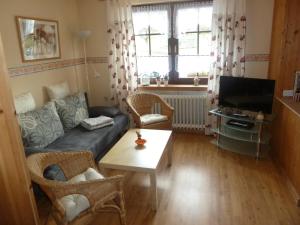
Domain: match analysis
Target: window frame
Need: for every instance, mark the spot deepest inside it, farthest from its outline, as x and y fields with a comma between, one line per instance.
x=173, y=44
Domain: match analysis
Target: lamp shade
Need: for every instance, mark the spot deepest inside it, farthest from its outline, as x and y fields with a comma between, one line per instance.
x=84, y=34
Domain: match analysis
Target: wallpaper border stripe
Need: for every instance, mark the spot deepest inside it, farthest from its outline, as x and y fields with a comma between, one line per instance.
x=41, y=67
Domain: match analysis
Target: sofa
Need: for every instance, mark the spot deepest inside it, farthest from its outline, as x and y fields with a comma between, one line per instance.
x=97, y=141
x=59, y=125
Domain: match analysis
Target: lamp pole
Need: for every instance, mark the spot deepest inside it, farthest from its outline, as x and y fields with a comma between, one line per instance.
x=84, y=34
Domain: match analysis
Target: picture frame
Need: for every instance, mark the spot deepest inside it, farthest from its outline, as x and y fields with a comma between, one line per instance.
x=297, y=87
x=38, y=38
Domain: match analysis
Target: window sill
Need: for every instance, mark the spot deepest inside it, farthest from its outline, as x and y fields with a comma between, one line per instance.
x=173, y=87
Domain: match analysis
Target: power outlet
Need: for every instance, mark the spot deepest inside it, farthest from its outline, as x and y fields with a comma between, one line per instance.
x=97, y=75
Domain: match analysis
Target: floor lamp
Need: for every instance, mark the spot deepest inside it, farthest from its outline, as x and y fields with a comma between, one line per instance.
x=83, y=35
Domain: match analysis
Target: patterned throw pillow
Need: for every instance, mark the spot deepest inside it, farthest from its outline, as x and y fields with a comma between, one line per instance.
x=72, y=110
x=40, y=127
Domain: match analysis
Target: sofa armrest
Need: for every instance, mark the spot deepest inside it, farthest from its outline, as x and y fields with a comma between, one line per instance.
x=109, y=111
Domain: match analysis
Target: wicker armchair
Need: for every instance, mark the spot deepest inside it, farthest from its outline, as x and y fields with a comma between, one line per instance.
x=141, y=105
x=101, y=194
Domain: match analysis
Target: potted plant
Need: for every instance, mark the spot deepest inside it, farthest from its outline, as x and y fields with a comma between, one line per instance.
x=166, y=79
x=196, y=79
x=157, y=77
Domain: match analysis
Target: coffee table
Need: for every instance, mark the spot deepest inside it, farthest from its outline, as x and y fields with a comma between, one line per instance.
x=125, y=155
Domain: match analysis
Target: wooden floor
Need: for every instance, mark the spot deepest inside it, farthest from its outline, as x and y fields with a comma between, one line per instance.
x=208, y=187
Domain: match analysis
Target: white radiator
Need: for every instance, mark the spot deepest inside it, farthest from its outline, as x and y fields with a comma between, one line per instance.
x=189, y=110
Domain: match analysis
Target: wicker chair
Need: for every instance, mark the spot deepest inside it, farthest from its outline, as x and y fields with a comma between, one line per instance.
x=141, y=105
x=101, y=194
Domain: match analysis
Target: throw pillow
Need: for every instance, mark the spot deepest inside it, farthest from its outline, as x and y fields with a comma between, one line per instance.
x=40, y=127
x=72, y=110
x=24, y=103
x=58, y=91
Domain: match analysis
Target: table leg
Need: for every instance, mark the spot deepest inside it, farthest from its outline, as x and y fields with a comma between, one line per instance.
x=218, y=134
x=153, y=190
x=170, y=151
x=258, y=144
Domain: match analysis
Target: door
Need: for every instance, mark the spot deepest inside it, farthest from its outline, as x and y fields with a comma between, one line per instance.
x=17, y=204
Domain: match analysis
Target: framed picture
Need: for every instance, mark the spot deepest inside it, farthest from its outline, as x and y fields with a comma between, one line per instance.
x=38, y=38
x=297, y=87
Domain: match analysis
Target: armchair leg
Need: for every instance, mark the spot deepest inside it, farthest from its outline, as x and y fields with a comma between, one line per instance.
x=121, y=204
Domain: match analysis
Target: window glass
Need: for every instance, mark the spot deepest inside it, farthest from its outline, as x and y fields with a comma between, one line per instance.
x=194, y=34
x=142, y=45
x=151, y=30
x=159, y=45
x=149, y=65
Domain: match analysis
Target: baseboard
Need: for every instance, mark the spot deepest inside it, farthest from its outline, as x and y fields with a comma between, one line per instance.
x=294, y=193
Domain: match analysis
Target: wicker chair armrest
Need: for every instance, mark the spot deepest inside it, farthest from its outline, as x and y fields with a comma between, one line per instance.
x=136, y=116
x=76, y=163
x=166, y=108
x=86, y=188
x=90, y=189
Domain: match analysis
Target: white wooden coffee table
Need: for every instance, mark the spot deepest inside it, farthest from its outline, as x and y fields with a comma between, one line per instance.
x=126, y=156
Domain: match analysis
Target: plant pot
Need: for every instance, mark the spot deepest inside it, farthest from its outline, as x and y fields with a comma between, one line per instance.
x=166, y=82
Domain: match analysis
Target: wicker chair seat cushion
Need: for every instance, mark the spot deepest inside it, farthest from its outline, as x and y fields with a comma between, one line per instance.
x=76, y=203
x=152, y=118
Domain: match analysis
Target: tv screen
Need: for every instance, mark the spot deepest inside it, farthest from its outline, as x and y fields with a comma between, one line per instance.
x=246, y=93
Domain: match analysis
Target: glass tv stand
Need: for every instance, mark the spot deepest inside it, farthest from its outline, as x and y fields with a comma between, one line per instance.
x=251, y=137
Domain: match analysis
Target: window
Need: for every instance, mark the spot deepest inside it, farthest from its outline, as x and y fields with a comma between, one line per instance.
x=173, y=39
x=151, y=35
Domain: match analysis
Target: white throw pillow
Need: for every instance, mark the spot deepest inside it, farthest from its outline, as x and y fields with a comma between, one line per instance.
x=76, y=203
x=24, y=103
x=58, y=91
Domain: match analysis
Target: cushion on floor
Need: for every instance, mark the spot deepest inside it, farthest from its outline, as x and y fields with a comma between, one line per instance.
x=152, y=118
x=76, y=203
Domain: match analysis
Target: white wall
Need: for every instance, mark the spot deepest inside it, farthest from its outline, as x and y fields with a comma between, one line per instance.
x=66, y=13
x=259, y=28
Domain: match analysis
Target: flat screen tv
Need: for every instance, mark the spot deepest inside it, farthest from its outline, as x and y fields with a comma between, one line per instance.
x=246, y=93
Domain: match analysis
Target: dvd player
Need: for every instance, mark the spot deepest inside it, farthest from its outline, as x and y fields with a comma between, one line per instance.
x=242, y=124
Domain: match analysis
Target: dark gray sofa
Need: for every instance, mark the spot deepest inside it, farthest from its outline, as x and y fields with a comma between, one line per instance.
x=98, y=141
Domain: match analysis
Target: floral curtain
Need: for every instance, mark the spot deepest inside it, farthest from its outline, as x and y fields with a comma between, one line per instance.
x=122, y=55
x=228, y=48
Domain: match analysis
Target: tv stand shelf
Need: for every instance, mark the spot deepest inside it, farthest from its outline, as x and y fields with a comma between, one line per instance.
x=253, y=141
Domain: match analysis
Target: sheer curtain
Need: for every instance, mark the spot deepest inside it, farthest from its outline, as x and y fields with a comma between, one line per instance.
x=122, y=56
x=228, y=48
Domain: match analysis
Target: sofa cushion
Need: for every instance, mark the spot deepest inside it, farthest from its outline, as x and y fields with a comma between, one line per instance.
x=109, y=111
x=58, y=91
x=24, y=103
x=77, y=203
x=40, y=127
x=152, y=118
x=89, y=174
x=72, y=110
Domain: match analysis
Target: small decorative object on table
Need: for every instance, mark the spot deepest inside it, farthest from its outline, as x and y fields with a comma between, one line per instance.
x=166, y=79
x=297, y=87
x=139, y=141
x=196, y=80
